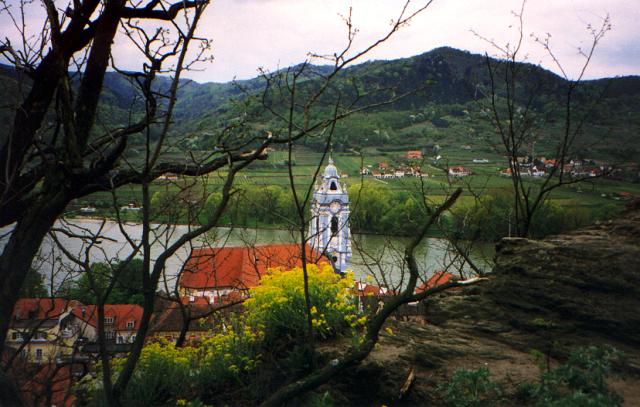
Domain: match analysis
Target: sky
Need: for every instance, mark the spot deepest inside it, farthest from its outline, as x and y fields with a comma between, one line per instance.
x=271, y=34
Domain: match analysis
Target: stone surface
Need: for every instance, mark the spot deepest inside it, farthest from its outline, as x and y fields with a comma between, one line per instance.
x=553, y=295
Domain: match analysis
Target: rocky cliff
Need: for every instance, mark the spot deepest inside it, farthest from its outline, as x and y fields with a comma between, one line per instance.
x=552, y=296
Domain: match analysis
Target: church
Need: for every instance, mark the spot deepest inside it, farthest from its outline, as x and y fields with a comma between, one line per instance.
x=220, y=273
x=329, y=227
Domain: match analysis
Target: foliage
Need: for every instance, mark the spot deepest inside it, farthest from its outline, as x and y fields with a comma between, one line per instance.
x=243, y=350
x=278, y=303
x=492, y=216
x=162, y=374
x=470, y=388
x=33, y=286
x=127, y=288
x=579, y=382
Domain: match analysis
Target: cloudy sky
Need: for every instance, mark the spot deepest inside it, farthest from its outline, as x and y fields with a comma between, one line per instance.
x=249, y=34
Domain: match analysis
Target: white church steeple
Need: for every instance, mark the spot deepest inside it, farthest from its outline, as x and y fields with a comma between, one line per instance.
x=329, y=229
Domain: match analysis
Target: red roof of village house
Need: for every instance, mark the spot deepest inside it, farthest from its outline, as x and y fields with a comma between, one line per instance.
x=438, y=278
x=240, y=267
x=458, y=169
x=414, y=154
x=42, y=308
x=121, y=313
x=364, y=290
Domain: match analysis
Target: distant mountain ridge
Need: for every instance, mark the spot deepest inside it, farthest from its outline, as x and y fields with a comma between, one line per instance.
x=449, y=83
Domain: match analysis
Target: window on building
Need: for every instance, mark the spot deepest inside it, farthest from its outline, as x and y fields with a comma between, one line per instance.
x=109, y=334
x=39, y=354
x=131, y=324
x=120, y=339
x=108, y=320
x=23, y=354
x=333, y=186
x=334, y=225
x=39, y=336
x=16, y=336
x=132, y=338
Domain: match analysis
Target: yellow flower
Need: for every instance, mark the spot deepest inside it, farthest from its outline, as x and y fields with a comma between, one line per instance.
x=389, y=330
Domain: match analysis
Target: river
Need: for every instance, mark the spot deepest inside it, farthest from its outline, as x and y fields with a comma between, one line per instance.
x=372, y=254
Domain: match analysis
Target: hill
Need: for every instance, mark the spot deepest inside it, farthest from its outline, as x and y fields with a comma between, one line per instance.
x=446, y=105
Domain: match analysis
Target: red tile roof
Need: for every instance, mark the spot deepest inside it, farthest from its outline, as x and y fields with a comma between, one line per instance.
x=121, y=313
x=414, y=154
x=240, y=267
x=438, y=278
x=42, y=308
x=364, y=289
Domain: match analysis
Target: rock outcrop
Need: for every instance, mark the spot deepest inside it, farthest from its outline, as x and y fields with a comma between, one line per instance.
x=553, y=295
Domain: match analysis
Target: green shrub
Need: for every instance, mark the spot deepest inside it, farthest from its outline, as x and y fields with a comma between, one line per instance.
x=581, y=380
x=162, y=375
x=470, y=388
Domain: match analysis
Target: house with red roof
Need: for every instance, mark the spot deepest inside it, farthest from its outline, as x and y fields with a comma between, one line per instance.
x=459, y=171
x=363, y=289
x=414, y=154
x=121, y=322
x=220, y=273
x=37, y=328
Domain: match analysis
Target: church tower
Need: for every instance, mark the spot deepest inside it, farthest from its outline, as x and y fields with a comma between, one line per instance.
x=329, y=229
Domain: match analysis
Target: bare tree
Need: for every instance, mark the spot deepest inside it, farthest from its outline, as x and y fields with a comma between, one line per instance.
x=58, y=149
x=513, y=95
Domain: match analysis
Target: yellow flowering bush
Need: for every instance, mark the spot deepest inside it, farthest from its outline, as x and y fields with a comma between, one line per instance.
x=229, y=355
x=278, y=304
x=271, y=332
x=163, y=373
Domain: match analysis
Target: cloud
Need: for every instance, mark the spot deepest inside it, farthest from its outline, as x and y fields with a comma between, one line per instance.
x=249, y=34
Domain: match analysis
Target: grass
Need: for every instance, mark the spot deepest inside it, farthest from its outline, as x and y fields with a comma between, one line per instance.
x=486, y=178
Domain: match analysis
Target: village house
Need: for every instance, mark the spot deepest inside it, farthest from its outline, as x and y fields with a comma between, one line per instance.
x=220, y=273
x=549, y=163
x=38, y=330
x=458, y=171
x=522, y=162
x=121, y=322
x=414, y=154
x=168, y=176
x=506, y=172
x=537, y=172
x=383, y=166
x=365, y=171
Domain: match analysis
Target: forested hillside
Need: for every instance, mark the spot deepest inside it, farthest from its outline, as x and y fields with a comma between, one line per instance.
x=446, y=105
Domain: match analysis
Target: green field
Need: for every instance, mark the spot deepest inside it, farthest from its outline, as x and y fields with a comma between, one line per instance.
x=485, y=178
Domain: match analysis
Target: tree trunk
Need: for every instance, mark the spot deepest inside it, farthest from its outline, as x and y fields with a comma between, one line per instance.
x=18, y=254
